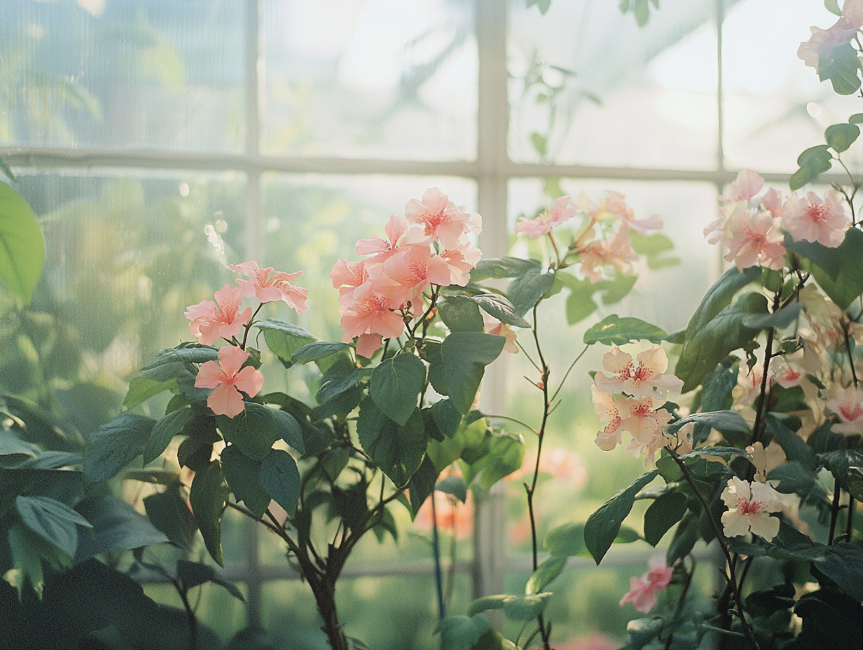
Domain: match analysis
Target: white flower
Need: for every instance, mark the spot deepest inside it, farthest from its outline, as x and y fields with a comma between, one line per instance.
x=749, y=505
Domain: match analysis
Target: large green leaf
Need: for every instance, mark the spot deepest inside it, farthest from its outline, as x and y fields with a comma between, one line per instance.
x=719, y=420
x=841, y=136
x=254, y=430
x=719, y=296
x=52, y=520
x=317, y=351
x=504, y=267
x=396, y=384
x=194, y=574
x=848, y=282
x=164, y=431
x=662, y=514
x=116, y=526
x=460, y=314
x=841, y=66
x=280, y=478
x=505, y=455
x=827, y=259
x=284, y=339
x=710, y=343
x=794, y=446
x=813, y=162
x=565, y=540
x=207, y=498
x=22, y=248
x=241, y=474
x=527, y=288
x=397, y=450
x=501, y=308
x=141, y=389
x=603, y=525
x=544, y=574
x=288, y=429
x=113, y=445
x=462, y=632
x=614, y=330
x=464, y=357
x=446, y=417
x=170, y=514
x=422, y=484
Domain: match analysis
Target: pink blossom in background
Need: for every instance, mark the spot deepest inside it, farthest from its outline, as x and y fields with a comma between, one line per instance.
x=847, y=403
x=492, y=325
x=749, y=505
x=268, y=285
x=542, y=224
x=595, y=641
x=211, y=322
x=616, y=205
x=754, y=239
x=453, y=516
x=229, y=379
x=815, y=220
x=561, y=464
x=442, y=222
x=644, y=378
x=616, y=252
x=643, y=591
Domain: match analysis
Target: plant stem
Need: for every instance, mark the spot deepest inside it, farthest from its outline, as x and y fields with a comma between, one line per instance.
x=190, y=614
x=506, y=417
x=850, y=355
x=834, y=512
x=249, y=326
x=438, y=576
x=732, y=579
x=849, y=521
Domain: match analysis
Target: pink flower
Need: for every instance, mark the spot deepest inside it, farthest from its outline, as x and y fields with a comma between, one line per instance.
x=347, y=276
x=441, y=221
x=616, y=252
x=416, y=268
x=749, y=507
x=460, y=261
x=382, y=249
x=754, y=238
x=368, y=310
x=820, y=45
x=269, y=286
x=368, y=344
x=606, y=408
x=847, y=403
x=815, y=220
x=637, y=416
x=209, y=323
x=615, y=204
x=644, y=379
x=229, y=380
x=556, y=215
x=643, y=591
x=746, y=186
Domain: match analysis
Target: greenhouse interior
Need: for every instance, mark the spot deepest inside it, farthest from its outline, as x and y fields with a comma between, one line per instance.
x=431, y=325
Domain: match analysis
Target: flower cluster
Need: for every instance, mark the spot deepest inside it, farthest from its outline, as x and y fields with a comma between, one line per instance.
x=602, y=241
x=223, y=319
x=429, y=247
x=642, y=387
x=820, y=45
x=752, y=227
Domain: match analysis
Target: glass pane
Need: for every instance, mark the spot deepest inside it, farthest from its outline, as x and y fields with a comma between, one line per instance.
x=775, y=107
x=122, y=74
x=588, y=86
x=376, y=78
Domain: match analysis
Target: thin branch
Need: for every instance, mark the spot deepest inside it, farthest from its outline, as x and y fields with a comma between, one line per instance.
x=511, y=419
x=568, y=370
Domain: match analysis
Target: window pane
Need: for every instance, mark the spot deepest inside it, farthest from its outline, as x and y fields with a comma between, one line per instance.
x=381, y=78
x=596, y=89
x=775, y=107
x=122, y=74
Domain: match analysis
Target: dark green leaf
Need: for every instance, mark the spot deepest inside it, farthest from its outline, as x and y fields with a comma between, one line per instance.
x=164, y=431
x=114, y=445
x=840, y=66
x=715, y=396
x=340, y=405
x=843, y=564
x=422, y=484
x=505, y=455
x=280, y=478
x=190, y=354
x=603, y=525
x=827, y=259
x=446, y=416
x=719, y=296
x=288, y=429
x=464, y=356
x=848, y=283
x=684, y=538
x=565, y=540
x=462, y=632
x=662, y=514
x=454, y=486
x=338, y=385
x=116, y=526
x=170, y=514
x=396, y=384
x=841, y=136
x=840, y=462
x=22, y=248
x=794, y=446
x=642, y=631
x=397, y=450
x=501, y=308
x=830, y=621
x=544, y=574
x=241, y=474
x=253, y=431
x=813, y=162
x=207, y=498
x=141, y=389
x=772, y=600
x=527, y=288
x=51, y=519
x=461, y=314
x=194, y=574
x=316, y=351
x=504, y=267
x=614, y=330
x=779, y=319
x=284, y=339
x=719, y=420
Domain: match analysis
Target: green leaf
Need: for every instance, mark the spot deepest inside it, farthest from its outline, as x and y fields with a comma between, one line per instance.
x=544, y=575
x=396, y=384
x=141, y=389
x=462, y=632
x=813, y=162
x=778, y=319
x=719, y=296
x=857, y=118
x=117, y=526
x=543, y=6
x=461, y=314
x=525, y=608
x=840, y=462
x=288, y=429
x=505, y=455
x=565, y=540
x=708, y=345
x=446, y=417
x=769, y=601
x=642, y=631
x=719, y=420
x=684, y=538
x=189, y=354
x=164, y=431
x=284, y=339
x=422, y=484
x=114, y=445
x=662, y=514
x=794, y=446
x=280, y=478
x=317, y=351
x=527, y=288
x=253, y=431
x=614, y=330
x=52, y=520
x=22, y=248
x=501, y=308
x=397, y=450
x=194, y=574
x=241, y=474
x=843, y=564
x=642, y=12
x=833, y=7
x=504, y=267
x=840, y=66
x=207, y=498
x=603, y=525
x=464, y=357
x=335, y=386
x=454, y=486
x=170, y=514
x=715, y=396
x=538, y=142
x=830, y=621
x=827, y=259
x=841, y=136
x=29, y=550
x=848, y=283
